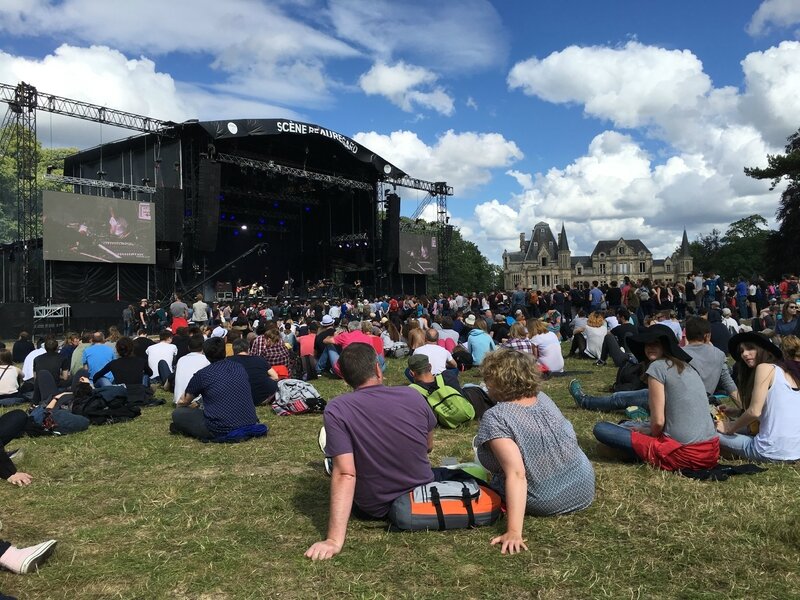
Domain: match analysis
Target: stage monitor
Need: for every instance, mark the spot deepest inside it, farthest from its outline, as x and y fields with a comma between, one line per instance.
x=419, y=253
x=77, y=227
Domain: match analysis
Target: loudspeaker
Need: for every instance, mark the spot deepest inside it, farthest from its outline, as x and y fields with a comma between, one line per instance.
x=169, y=215
x=207, y=217
x=391, y=232
x=165, y=258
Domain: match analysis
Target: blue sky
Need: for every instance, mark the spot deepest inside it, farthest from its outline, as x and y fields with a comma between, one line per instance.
x=617, y=118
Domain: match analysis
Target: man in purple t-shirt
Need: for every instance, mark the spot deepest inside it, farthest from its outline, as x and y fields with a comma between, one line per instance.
x=379, y=438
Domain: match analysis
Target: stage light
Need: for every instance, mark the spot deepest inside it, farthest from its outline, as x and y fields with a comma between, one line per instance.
x=260, y=235
x=340, y=245
x=244, y=227
x=220, y=197
x=233, y=217
x=274, y=205
x=281, y=223
x=261, y=221
x=222, y=216
x=347, y=245
x=235, y=232
x=308, y=209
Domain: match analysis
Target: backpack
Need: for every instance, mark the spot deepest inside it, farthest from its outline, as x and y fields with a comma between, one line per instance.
x=629, y=377
x=105, y=406
x=295, y=397
x=449, y=406
x=398, y=350
x=442, y=505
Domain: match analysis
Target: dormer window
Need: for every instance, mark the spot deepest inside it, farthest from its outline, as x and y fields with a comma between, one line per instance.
x=544, y=261
x=602, y=255
x=621, y=250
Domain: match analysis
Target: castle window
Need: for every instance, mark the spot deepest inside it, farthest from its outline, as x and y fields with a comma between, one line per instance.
x=602, y=268
x=544, y=261
x=621, y=250
x=516, y=278
x=579, y=270
x=642, y=267
x=602, y=255
x=535, y=245
x=668, y=267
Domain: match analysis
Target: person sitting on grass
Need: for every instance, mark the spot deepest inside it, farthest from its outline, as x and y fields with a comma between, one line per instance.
x=97, y=356
x=479, y=342
x=190, y=364
x=548, y=348
x=12, y=425
x=773, y=401
x=161, y=357
x=680, y=434
x=263, y=380
x=529, y=447
x=10, y=380
x=707, y=360
x=227, y=407
x=518, y=340
x=128, y=369
x=379, y=438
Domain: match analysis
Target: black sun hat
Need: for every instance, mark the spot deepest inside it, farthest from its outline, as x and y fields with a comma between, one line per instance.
x=755, y=338
x=657, y=333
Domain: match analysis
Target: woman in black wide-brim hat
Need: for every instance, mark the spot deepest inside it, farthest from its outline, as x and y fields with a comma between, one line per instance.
x=681, y=433
x=769, y=378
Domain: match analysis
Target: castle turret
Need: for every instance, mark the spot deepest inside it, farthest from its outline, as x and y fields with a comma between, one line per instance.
x=563, y=250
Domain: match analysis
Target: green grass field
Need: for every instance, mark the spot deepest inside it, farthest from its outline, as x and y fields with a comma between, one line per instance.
x=142, y=514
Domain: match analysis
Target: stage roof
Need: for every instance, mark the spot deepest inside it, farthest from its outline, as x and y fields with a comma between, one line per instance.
x=302, y=145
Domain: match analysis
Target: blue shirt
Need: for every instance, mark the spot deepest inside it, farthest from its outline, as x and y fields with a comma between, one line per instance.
x=596, y=296
x=741, y=289
x=227, y=399
x=96, y=357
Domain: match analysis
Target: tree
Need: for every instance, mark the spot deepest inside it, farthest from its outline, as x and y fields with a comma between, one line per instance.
x=704, y=251
x=783, y=245
x=741, y=251
x=9, y=178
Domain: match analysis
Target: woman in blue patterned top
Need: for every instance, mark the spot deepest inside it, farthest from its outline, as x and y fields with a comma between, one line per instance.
x=529, y=447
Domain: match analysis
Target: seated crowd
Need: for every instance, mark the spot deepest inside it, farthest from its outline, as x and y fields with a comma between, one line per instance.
x=684, y=405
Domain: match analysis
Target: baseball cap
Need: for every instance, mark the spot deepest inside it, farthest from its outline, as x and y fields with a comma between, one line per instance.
x=418, y=362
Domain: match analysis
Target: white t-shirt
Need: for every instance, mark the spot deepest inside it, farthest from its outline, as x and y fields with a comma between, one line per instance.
x=187, y=366
x=437, y=356
x=9, y=380
x=158, y=352
x=27, y=365
x=549, y=350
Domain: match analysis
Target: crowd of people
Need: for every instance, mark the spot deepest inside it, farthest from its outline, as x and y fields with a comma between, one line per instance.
x=670, y=344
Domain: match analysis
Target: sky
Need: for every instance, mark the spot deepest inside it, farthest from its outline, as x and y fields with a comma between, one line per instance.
x=618, y=119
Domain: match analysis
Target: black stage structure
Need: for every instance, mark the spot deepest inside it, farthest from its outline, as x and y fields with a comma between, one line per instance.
x=236, y=201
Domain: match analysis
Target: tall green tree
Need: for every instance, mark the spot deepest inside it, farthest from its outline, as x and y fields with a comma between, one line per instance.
x=741, y=251
x=783, y=245
x=9, y=177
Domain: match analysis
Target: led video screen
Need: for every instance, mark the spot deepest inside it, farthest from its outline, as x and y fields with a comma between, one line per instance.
x=77, y=227
x=419, y=253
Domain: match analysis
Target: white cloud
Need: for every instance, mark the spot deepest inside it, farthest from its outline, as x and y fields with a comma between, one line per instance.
x=103, y=76
x=774, y=13
x=471, y=103
x=260, y=50
x=443, y=36
x=400, y=82
x=525, y=180
x=464, y=160
x=610, y=82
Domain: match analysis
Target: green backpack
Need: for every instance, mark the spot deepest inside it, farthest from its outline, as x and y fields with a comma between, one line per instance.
x=449, y=406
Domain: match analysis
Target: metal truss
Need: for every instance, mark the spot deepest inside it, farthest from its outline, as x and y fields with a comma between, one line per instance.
x=100, y=183
x=434, y=188
x=274, y=196
x=273, y=167
x=350, y=237
x=81, y=110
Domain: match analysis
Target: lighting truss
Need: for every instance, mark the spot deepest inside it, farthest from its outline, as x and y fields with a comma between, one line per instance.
x=100, y=183
x=350, y=237
x=82, y=110
x=274, y=196
x=273, y=167
x=434, y=188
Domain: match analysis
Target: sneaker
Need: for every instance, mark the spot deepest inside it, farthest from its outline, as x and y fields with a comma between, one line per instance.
x=322, y=439
x=25, y=560
x=576, y=392
x=328, y=465
x=599, y=363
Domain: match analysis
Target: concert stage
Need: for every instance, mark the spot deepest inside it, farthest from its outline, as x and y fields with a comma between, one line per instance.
x=235, y=202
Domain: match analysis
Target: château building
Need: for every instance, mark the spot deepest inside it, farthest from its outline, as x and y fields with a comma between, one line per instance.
x=543, y=261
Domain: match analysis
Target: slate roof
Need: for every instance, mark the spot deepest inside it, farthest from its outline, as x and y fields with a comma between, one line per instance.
x=586, y=261
x=544, y=236
x=608, y=246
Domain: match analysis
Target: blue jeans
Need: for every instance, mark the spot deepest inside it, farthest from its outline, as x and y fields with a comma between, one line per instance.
x=616, y=401
x=102, y=382
x=741, y=445
x=328, y=358
x=616, y=437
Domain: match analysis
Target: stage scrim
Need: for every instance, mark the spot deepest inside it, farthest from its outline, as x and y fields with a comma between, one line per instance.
x=419, y=253
x=78, y=227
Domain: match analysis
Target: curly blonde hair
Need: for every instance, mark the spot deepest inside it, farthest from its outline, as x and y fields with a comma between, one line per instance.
x=510, y=375
x=596, y=319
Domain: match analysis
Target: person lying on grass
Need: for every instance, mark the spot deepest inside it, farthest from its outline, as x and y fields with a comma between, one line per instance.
x=529, y=447
x=379, y=438
x=680, y=434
